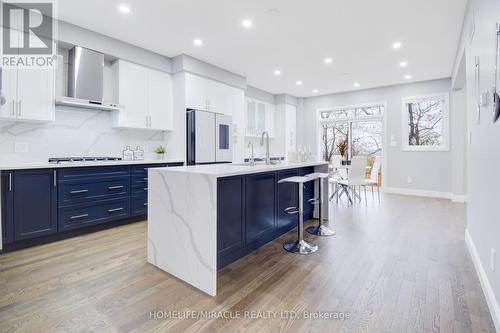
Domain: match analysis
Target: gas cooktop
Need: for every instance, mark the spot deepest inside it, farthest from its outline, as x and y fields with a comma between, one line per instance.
x=57, y=160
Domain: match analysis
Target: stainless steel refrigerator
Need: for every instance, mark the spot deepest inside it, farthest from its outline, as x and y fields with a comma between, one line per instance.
x=209, y=139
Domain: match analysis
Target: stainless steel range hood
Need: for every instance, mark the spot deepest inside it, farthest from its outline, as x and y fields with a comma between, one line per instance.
x=85, y=80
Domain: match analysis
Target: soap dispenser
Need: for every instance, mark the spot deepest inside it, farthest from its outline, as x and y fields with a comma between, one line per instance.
x=139, y=154
x=128, y=154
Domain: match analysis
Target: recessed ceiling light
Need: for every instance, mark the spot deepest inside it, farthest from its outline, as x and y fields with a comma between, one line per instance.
x=315, y=91
x=356, y=84
x=299, y=83
x=277, y=72
x=198, y=42
x=397, y=45
x=328, y=60
x=247, y=23
x=403, y=63
x=408, y=76
x=124, y=9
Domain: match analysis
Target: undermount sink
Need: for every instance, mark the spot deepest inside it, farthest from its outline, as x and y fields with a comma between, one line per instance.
x=273, y=162
x=248, y=164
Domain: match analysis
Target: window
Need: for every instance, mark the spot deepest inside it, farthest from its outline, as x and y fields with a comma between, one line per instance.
x=361, y=126
x=425, y=123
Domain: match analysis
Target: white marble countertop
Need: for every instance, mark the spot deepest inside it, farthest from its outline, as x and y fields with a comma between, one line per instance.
x=234, y=169
x=47, y=165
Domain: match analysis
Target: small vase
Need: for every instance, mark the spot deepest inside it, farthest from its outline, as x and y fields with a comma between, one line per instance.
x=160, y=156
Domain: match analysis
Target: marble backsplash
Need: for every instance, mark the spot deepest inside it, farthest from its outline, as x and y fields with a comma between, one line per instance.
x=76, y=132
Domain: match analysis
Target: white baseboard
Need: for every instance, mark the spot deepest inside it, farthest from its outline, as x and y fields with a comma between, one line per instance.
x=418, y=193
x=485, y=283
x=458, y=198
x=425, y=193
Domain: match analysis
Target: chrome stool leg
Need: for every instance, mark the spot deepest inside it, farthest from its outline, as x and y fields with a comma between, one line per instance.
x=300, y=246
x=320, y=229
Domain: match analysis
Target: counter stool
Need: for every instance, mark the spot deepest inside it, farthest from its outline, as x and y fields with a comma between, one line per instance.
x=299, y=246
x=320, y=229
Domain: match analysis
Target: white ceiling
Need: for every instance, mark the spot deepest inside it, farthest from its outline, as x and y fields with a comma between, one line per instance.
x=292, y=35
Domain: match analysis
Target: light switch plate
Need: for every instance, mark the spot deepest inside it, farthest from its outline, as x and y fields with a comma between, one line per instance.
x=21, y=147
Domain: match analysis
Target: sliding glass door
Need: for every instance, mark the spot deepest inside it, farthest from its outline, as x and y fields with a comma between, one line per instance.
x=360, y=127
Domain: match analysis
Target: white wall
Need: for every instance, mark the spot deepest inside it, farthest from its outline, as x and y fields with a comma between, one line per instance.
x=430, y=171
x=483, y=159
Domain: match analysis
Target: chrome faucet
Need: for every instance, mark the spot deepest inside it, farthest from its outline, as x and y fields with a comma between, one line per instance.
x=268, y=159
x=252, y=159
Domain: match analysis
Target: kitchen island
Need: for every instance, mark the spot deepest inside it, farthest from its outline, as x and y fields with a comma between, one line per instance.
x=201, y=218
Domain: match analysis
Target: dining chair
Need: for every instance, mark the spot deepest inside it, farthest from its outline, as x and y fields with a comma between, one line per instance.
x=336, y=173
x=373, y=180
x=356, y=178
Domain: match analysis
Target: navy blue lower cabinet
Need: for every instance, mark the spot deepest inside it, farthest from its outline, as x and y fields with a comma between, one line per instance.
x=287, y=196
x=85, y=190
x=308, y=193
x=78, y=216
x=139, y=205
x=7, y=207
x=230, y=219
x=35, y=203
x=259, y=205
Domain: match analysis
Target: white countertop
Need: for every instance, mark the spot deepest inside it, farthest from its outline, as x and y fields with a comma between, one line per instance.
x=234, y=169
x=47, y=165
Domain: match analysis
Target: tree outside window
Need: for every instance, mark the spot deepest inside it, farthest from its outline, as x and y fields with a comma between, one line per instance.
x=425, y=123
x=361, y=126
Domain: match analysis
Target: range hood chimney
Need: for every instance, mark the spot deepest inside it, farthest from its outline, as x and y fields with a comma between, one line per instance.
x=85, y=74
x=85, y=80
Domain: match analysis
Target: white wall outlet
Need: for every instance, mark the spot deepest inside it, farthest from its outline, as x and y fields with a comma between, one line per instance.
x=470, y=137
x=492, y=259
x=409, y=180
x=21, y=147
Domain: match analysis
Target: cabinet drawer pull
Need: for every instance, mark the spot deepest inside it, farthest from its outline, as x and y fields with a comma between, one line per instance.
x=78, y=191
x=115, y=187
x=145, y=204
x=114, y=210
x=145, y=178
x=145, y=189
x=10, y=181
x=79, y=216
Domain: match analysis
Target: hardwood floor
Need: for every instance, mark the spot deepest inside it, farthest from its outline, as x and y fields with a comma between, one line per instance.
x=394, y=267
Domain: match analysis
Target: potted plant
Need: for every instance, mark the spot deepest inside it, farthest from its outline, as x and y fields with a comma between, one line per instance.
x=160, y=152
x=343, y=144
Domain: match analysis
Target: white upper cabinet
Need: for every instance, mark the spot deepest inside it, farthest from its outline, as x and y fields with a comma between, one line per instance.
x=205, y=94
x=160, y=100
x=259, y=117
x=145, y=97
x=29, y=93
x=36, y=94
x=196, y=92
x=9, y=92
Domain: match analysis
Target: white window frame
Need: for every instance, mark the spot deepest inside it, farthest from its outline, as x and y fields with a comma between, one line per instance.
x=383, y=117
x=350, y=120
x=445, y=144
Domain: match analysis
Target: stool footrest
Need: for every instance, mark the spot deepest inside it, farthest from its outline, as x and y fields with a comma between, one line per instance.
x=314, y=201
